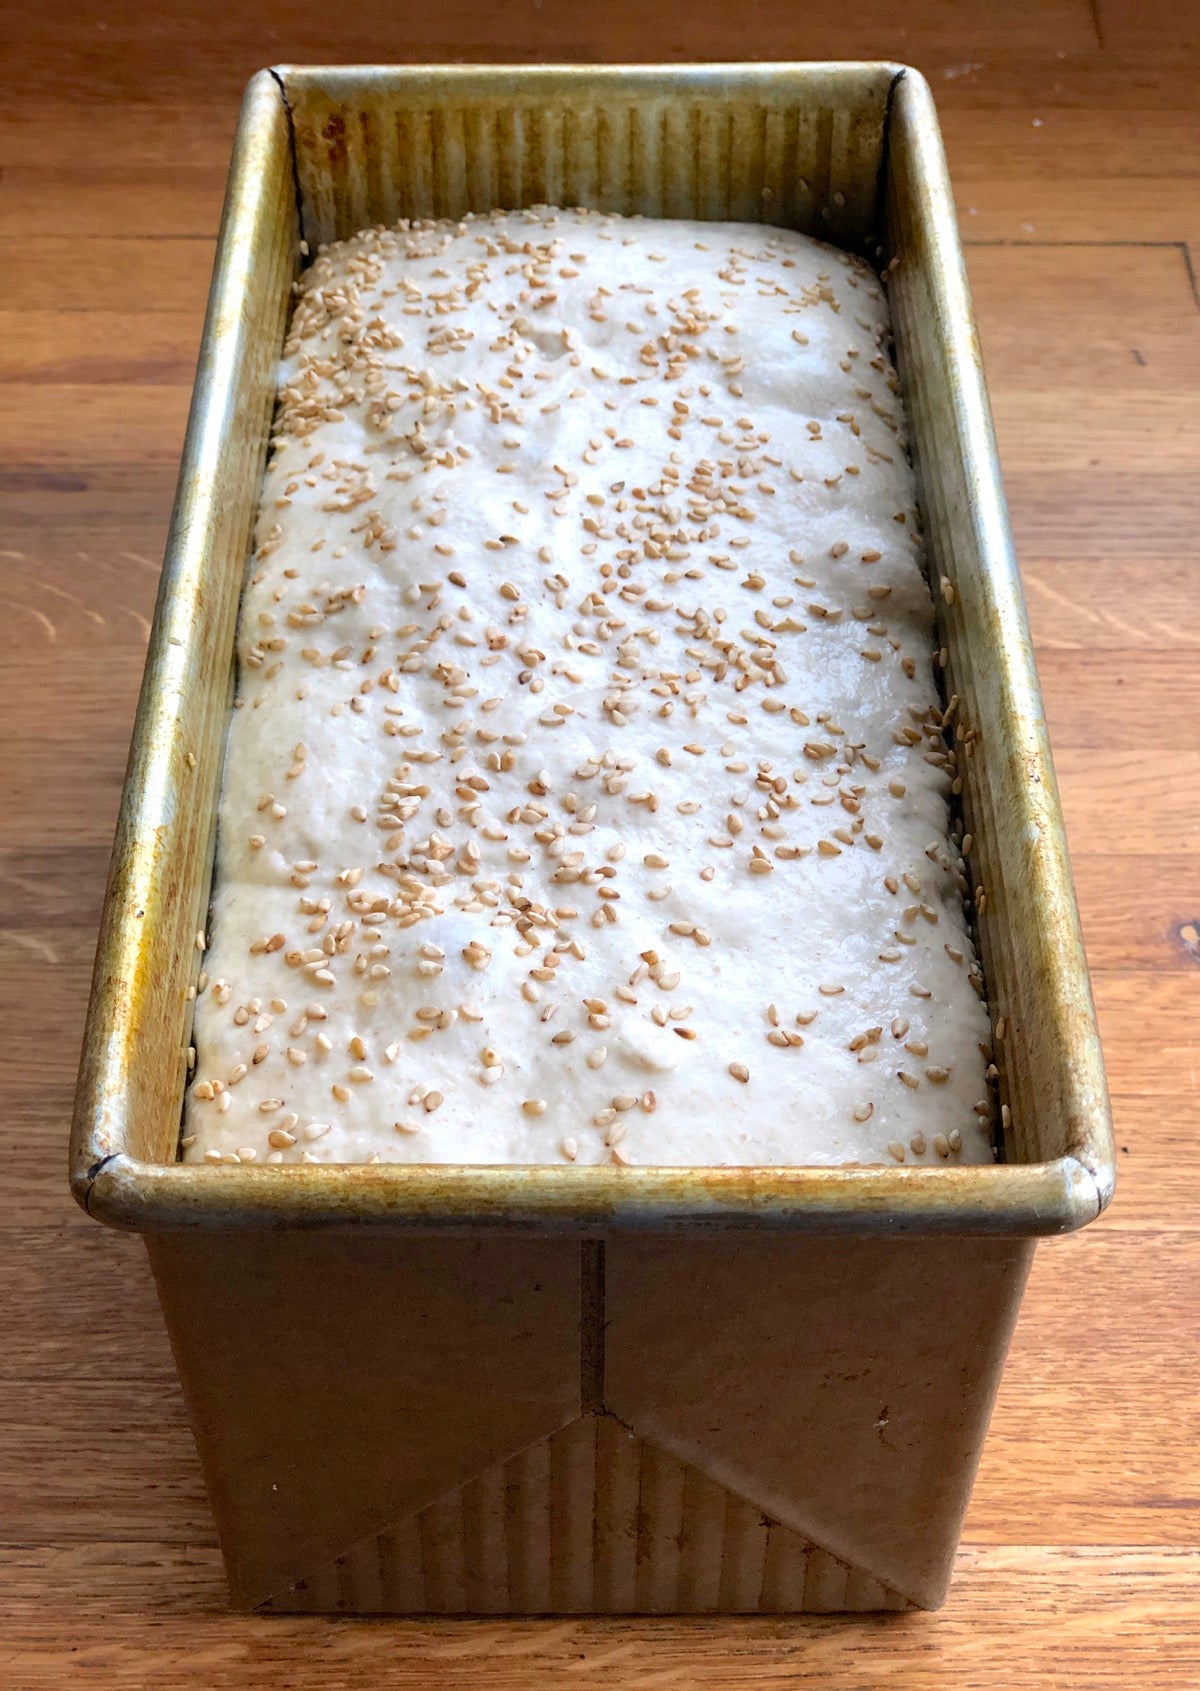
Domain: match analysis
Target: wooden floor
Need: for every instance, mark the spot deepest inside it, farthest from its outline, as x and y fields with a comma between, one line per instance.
x=1073, y=128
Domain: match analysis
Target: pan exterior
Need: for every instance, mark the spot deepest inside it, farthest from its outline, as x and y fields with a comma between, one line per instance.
x=512, y=1390
x=525, y=1425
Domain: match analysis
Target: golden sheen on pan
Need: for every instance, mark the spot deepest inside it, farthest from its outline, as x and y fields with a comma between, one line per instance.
x=586, y=793
x=608, y=1384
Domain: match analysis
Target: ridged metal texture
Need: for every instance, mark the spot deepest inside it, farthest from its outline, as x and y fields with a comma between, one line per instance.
x=709, y=142
x=591, y=1521
x=818, y=146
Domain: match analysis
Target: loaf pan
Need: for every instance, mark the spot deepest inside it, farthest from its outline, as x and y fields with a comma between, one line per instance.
x=591, y=1389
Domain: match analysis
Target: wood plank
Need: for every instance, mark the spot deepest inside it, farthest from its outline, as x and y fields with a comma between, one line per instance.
x=1139, y=804
x=153, y=132
x=1080, y=1565
x=167, y=127
x=109, y=273
x=83, y=1307
x=1124, y=23
x=103, y=595
x=59, y=1324
x=1127, y=358
x=1148, y=1024
x=1092, y=514
x=236, y=41
x=1112, y=698
x=1147, y=807
x=1074, y=427
x=109, y=200
x=1155, y=1124
x=1158, y=1165
x=1073, y=289
x=52, y=981
x=1120, y=699
x=151, y=1484
x=1095, y=1617
x=104, y=684
x=1097, y=209
x=126, y=503
x=52, y=887
x=1071, y=140
x=41, y=809
x=1124, y=319
x=95, y=347
x=61, y=423
x=1147, y=1020
x=1133, y=908
x=1112, y=604
x=1082, y=1396
x=1142, y=81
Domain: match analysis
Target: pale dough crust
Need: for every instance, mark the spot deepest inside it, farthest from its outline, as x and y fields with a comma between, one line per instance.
x=587, y=795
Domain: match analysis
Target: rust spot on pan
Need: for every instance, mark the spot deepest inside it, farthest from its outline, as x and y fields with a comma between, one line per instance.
x=334, y=132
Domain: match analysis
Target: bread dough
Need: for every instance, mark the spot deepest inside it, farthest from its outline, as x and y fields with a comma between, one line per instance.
x=586, y=795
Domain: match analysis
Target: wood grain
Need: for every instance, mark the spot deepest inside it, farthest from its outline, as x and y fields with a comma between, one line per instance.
x=1074, y=144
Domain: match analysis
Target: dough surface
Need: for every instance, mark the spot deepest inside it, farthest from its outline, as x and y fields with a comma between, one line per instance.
x=587, y=794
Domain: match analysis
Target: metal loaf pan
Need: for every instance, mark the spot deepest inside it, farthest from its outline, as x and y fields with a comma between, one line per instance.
x=590, y=1388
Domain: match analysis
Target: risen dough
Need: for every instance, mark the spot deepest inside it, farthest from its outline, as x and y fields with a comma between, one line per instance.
x=586, y=796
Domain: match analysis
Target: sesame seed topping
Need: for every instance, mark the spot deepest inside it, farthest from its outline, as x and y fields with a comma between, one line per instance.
x=576, y=753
